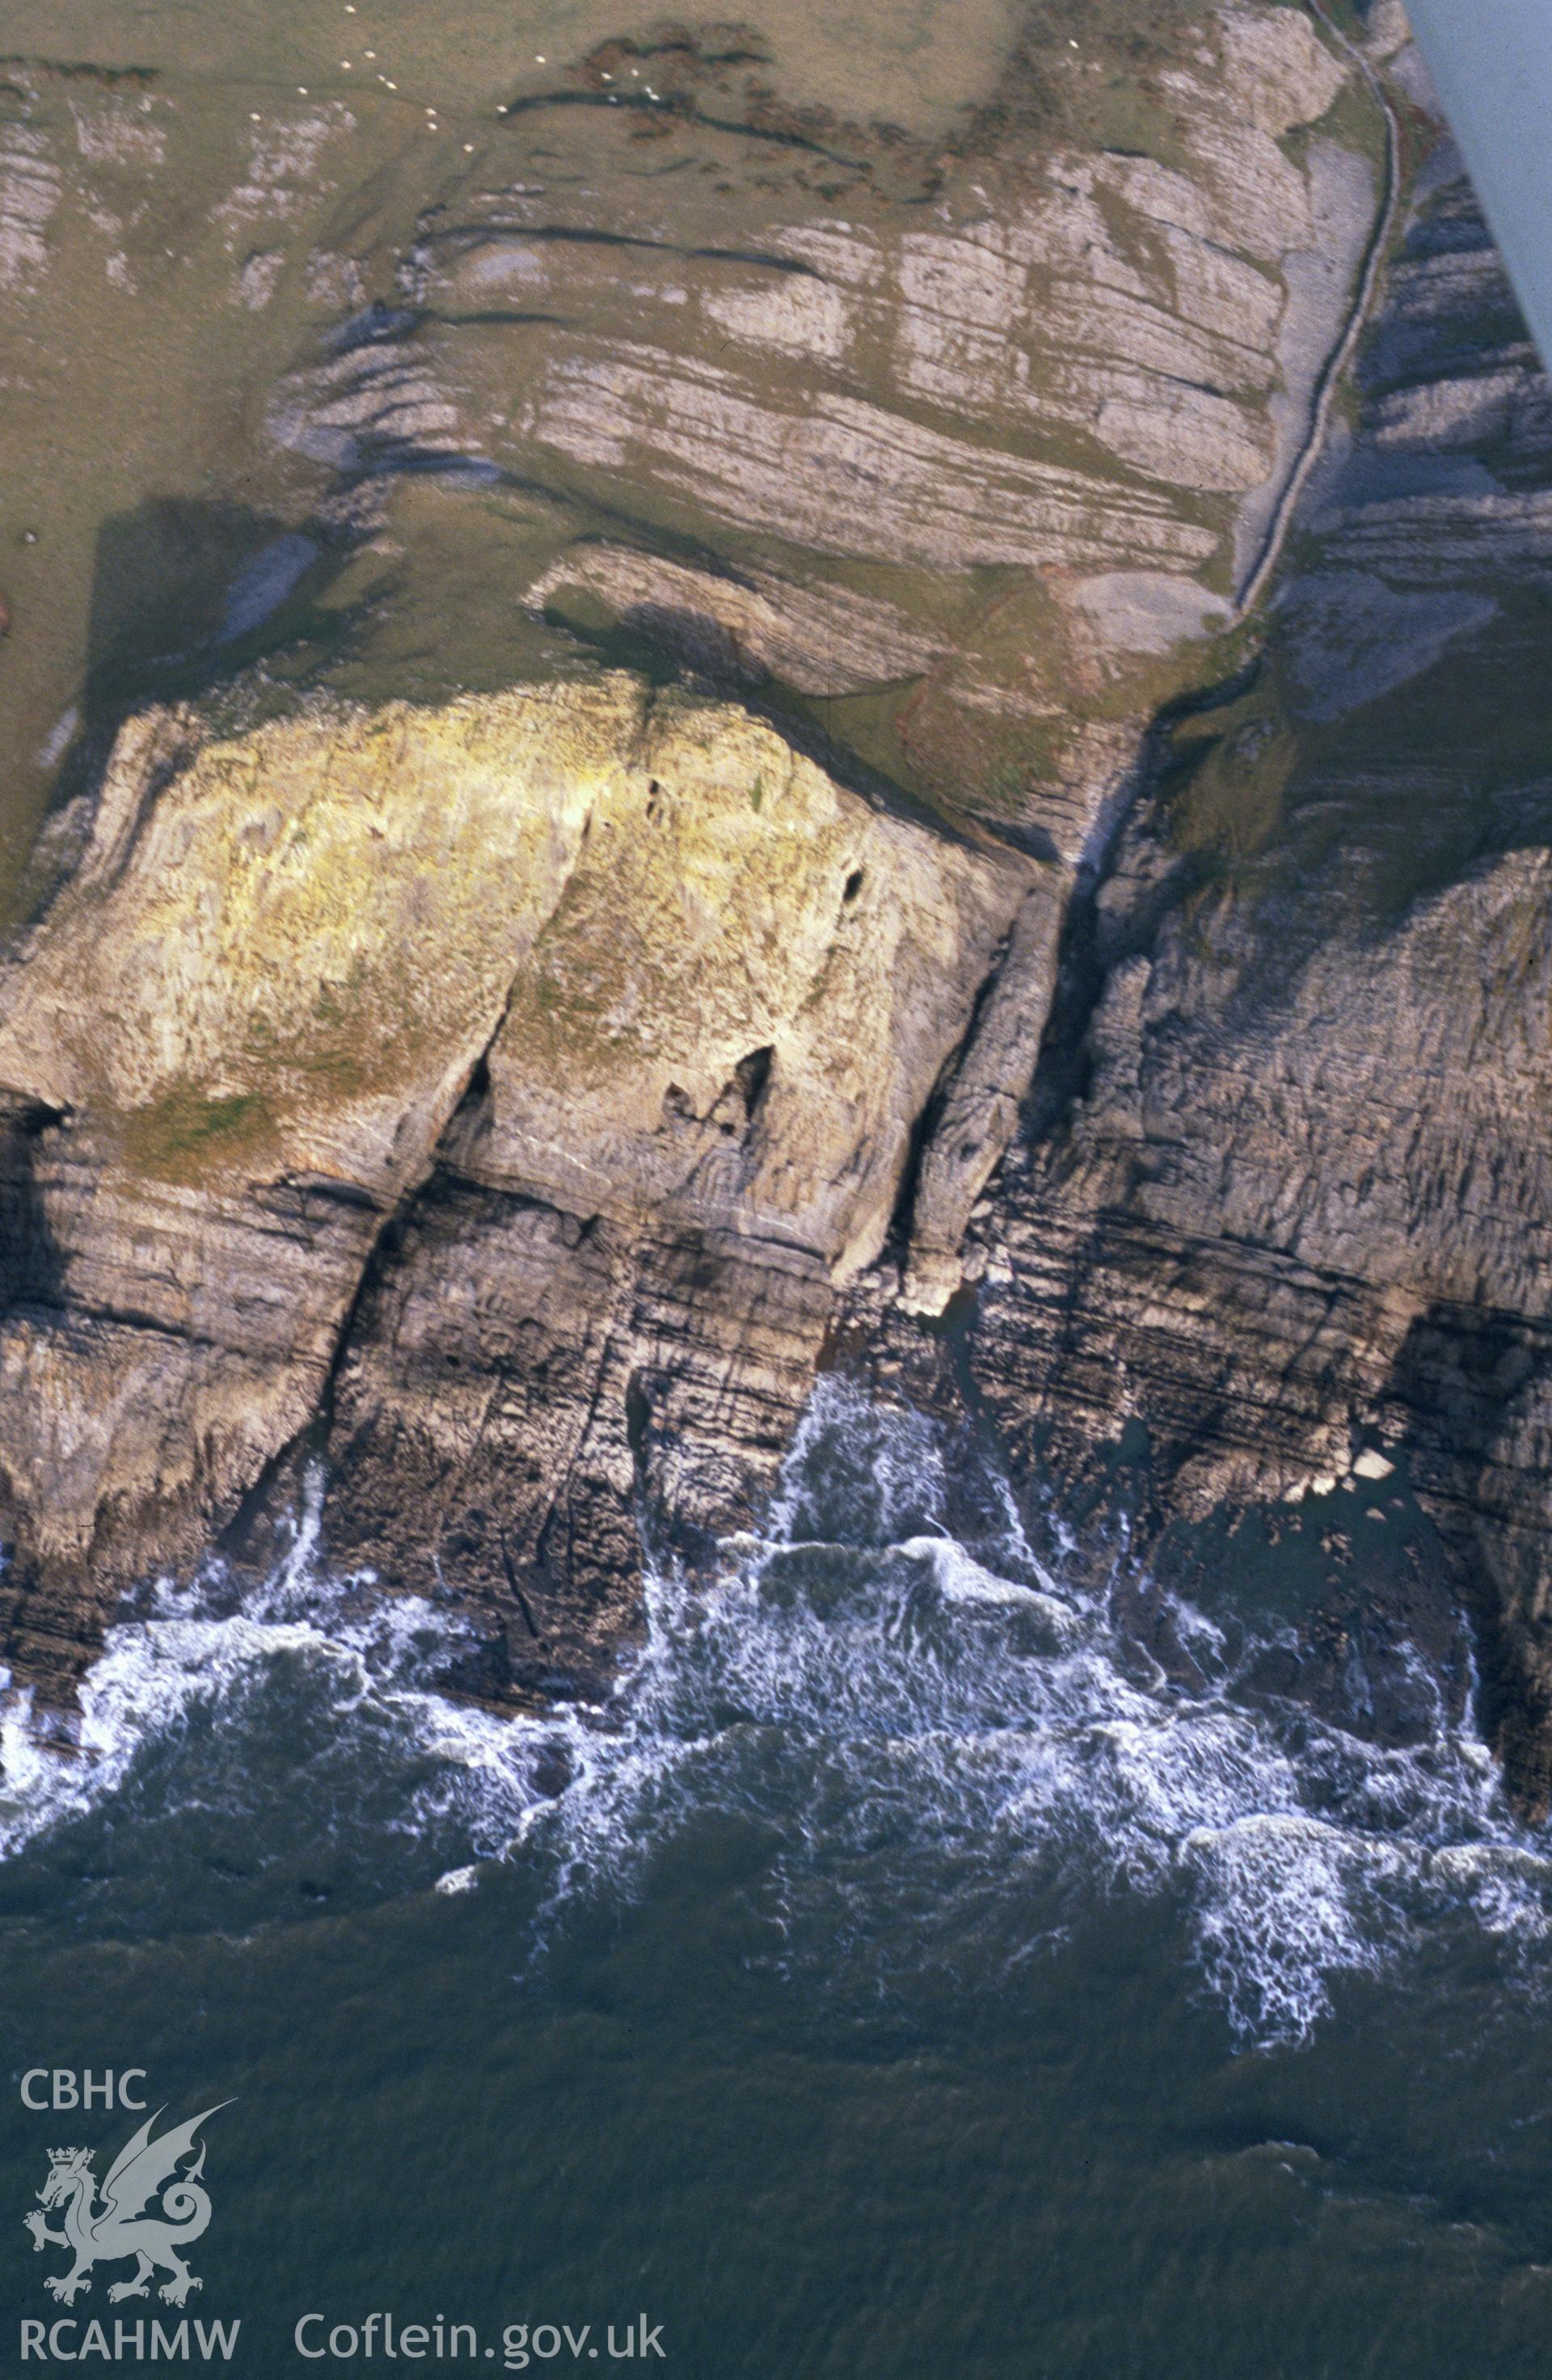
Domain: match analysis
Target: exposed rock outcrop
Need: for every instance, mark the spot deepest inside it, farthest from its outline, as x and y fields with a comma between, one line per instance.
x=1285, y=1204
x=512, y=1096
x=1008, y=443
x=509, y=1083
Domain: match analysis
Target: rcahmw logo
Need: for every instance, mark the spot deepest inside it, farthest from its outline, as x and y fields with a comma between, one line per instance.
x=149, y=2207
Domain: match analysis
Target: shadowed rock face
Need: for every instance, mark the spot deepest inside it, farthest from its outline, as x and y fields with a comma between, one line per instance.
x=748, y=800
x=1286, y=1200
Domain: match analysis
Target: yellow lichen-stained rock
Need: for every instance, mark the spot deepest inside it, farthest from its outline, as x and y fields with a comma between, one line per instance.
x=743, y=999
x=310, y=935
x=632, y=966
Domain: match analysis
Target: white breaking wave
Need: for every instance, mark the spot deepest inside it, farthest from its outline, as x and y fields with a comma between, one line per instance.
x=307, y=1702
x=946, y=1749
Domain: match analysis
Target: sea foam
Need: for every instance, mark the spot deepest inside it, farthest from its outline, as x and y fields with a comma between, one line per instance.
x=935, y=1741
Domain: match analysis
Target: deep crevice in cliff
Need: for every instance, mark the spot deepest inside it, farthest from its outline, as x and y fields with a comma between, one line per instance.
x=925, y=1127
x=1093, y=943
x=279, y=1476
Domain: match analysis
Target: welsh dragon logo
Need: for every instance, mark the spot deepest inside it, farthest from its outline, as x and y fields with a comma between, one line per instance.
x=117, y=2226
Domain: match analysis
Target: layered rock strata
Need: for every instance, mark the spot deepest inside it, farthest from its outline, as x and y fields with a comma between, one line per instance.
x=505, y=1087
x=515, y=1098
x=1284, y=1198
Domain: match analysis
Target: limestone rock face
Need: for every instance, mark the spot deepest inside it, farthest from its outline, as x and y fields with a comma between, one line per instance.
x=627, y=985
x=1285, y=1200
x=994, y=455
x=509, y=1082
x=497, y=1092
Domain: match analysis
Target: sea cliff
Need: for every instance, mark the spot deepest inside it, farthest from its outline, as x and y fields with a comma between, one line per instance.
x=832, y=745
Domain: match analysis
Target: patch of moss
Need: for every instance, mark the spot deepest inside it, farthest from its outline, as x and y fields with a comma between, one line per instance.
x=179, y=1137
x=1233, y=767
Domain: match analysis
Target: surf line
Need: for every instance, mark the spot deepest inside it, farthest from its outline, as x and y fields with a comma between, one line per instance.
x=1336, y=363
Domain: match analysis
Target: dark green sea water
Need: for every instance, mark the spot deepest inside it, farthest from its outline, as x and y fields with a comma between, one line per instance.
x=902, y=1978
